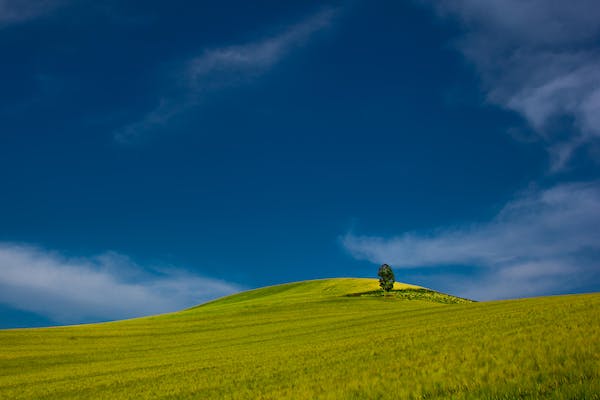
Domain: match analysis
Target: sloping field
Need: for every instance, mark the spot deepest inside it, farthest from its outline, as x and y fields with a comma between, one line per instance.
x=311, y=340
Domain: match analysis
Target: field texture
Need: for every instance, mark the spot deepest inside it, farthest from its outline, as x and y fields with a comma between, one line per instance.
x=318, y=339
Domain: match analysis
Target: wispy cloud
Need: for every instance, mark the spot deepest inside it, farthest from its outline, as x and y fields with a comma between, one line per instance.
x=544, y=241
x=18, y=11
x=105, y=287
x=224, y=67
x=539, y=58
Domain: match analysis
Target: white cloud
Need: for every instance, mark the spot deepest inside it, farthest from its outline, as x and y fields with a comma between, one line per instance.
x=16, y=11
x=256, y=57
x=105, y=287
x=541, y=242
x=224, y=67
x=539, y=58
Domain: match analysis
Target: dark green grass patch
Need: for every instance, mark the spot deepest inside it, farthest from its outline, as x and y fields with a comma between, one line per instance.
x=414, y=294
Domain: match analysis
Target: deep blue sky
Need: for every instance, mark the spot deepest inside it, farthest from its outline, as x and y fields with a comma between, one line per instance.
x=168, y=144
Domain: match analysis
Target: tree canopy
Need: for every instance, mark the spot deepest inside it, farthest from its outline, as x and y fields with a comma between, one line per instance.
x=386, y=277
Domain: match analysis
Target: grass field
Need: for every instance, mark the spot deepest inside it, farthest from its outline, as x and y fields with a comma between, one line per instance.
x=318, y=339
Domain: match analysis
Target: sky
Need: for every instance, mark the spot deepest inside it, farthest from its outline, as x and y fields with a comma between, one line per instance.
x=155, y=155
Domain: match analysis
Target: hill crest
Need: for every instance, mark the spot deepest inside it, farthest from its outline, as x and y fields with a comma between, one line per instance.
x=318, y=289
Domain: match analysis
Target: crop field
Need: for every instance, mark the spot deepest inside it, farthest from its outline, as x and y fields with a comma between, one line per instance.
x=319, y=340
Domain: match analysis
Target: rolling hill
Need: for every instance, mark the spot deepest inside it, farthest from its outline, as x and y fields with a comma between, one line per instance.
x=326, y=339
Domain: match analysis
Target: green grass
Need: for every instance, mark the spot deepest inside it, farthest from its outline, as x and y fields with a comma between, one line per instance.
x=310, y=340
x=414, y=294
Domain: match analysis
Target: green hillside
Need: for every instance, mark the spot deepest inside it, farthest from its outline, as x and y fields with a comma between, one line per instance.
x=332, y=338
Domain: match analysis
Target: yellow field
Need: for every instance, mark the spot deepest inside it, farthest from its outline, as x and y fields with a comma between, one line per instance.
x=311, y=340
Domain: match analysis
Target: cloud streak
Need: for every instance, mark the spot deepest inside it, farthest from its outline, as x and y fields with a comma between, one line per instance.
x=541, y=242
x=105, y=287
x=539, y=58
x=18, y=11
x=219, y=68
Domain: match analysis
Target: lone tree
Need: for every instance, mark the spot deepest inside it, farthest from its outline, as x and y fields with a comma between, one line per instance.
x=386, y=277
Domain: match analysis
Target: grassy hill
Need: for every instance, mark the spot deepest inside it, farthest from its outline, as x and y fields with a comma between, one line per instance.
x=332, y=338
